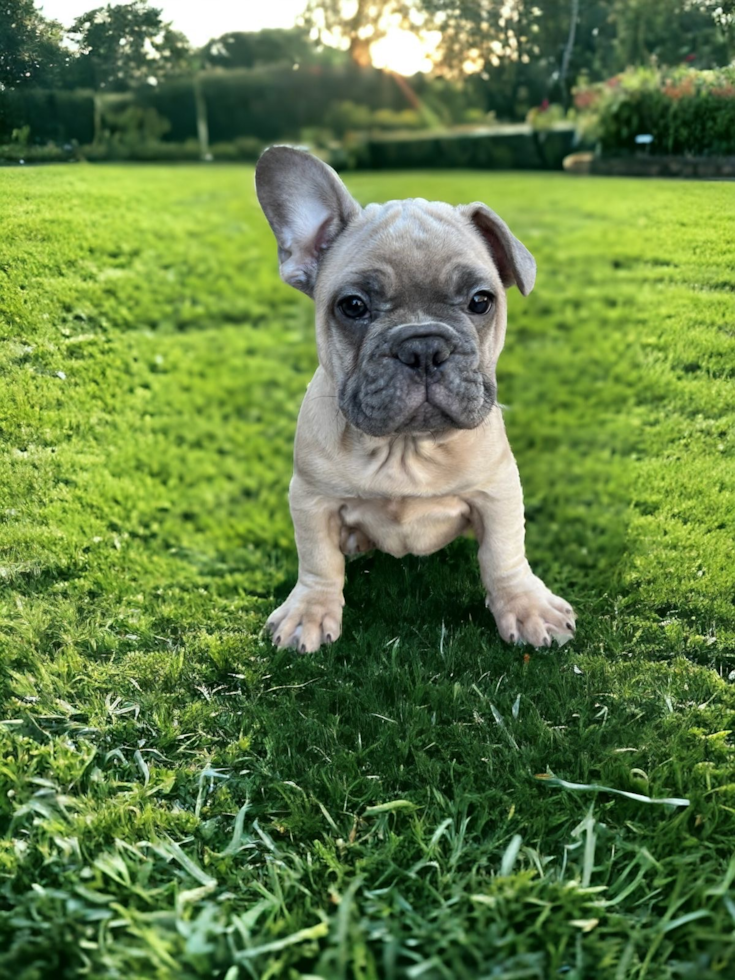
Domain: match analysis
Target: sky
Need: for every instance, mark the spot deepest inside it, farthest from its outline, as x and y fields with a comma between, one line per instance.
x=199, y=20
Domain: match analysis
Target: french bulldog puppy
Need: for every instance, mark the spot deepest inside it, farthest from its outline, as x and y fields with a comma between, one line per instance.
x=400, y=442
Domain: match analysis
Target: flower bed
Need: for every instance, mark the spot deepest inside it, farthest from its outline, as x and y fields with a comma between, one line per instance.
x=685, y=111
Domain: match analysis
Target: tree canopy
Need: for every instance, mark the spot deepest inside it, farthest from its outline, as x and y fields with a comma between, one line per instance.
x=360, y=25
x=121, y=44
x=251, y=49
x=30, y=46
x=511, y=46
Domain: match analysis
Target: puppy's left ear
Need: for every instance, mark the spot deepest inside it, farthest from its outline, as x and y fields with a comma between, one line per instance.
x=306, y=205
x=514, y=262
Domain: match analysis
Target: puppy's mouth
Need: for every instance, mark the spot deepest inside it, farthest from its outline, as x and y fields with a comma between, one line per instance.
x=417, y=378
x=439, y=405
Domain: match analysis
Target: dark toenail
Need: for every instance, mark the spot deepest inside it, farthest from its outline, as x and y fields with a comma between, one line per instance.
x=329, y=638
x=512, y=637
x=547, y=641
x=570, y=627
x=302, y=648
x=278, y=638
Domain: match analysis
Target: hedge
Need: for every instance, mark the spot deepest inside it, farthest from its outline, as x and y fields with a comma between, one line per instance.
x=53, y=116
x=268, y=103
x=507, y=148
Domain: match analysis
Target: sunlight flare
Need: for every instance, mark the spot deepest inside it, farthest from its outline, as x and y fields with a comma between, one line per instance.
x=404, y=52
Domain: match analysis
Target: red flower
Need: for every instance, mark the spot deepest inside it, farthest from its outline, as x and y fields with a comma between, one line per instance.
x=684, y=88
x=544, y=105
x=690, y=57
x=585, y=99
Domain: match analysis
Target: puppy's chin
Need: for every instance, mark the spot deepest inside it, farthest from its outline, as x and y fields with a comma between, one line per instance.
x=428, y=418
x=430, y=411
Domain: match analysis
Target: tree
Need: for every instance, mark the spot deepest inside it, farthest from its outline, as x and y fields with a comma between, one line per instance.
x=515, y=50
x=30, y=46
x=527, y=50
x=723, y=14
x=357, y=27
x=671, y=31
x=568, y=51
x=243, y=49
x=126, y=44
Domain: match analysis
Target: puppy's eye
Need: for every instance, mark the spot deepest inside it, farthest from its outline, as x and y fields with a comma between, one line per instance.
x=480, y=302
x=353, y=307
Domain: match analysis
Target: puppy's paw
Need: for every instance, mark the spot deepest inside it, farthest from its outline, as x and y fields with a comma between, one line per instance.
x=307, y=619
x=532, y=614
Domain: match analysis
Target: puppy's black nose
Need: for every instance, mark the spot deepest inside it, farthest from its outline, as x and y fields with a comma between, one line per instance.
x=425, y=353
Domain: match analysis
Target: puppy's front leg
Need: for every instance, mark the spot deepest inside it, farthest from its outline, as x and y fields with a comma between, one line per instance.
x=312, y=614
x=524, y=609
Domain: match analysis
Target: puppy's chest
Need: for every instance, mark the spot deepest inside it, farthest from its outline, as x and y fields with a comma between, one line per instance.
x=408, y=525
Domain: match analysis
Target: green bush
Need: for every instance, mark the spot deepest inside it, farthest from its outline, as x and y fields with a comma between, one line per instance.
x=685, y=111
x=125, y=122
x=320, y=137
x=346, y=116
x=22, y=135
x=475, y=116
x=243, y=148
x=405, y=119
x=544, y=117
x=450, y=102
x=174, y=101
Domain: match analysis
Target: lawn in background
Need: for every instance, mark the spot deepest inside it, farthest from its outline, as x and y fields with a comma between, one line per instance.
x=179, y=800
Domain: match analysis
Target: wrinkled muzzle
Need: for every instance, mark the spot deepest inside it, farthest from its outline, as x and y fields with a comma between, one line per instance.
x=413, y=377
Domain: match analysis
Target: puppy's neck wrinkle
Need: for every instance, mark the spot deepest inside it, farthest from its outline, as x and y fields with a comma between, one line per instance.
x=406, y=457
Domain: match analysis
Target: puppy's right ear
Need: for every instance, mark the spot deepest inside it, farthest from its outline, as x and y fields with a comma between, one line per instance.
x=307, y=207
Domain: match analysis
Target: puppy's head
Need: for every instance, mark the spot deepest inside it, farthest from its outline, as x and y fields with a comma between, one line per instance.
x=410, y=295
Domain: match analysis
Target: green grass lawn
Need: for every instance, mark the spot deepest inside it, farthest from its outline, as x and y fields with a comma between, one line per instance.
x=177, y=799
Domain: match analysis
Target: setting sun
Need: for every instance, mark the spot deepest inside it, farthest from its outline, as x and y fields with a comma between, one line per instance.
x=405, y=52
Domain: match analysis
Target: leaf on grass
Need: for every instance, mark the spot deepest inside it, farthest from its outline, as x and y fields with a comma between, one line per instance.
x=389, y=807
x=143, y=766
x=500, y=722
x=683, y=919
x=439, y=833
x=489, y=900
x=586, y=925
x=328, y=817
x=171, y=848
x=234, y=846
x=594, y=787
x=515, y=710
x=193, y=895
x=510, y=855
x=319, y=931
